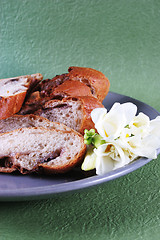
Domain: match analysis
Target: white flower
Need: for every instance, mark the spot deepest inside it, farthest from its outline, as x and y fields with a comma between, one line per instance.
x=109, y=125
x=142, y=137
x=109, y=157
x=140, y=125
x=127, y=137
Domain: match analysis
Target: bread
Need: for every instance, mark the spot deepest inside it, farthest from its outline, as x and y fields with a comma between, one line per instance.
x=40, y=150
x=96, y=80
x=40, y=142
x=79, y=81
x=24, y=121
x=13, y=92
x=71, y=88
x=73, y=112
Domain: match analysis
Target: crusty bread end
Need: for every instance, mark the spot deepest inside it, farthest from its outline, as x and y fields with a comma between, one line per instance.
x=13, y=92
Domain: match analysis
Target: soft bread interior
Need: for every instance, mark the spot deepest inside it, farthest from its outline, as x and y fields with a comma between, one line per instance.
x=13, y=86
x=30, y=120
x=69, y=112
x=16, y=85
x=27, y=147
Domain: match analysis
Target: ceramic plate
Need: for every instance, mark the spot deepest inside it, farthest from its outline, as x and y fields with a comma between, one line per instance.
x=15, y=187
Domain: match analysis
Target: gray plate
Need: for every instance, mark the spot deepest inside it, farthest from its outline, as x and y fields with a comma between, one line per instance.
x=16, y=187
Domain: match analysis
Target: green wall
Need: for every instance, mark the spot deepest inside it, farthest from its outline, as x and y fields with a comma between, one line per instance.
x=121, y=38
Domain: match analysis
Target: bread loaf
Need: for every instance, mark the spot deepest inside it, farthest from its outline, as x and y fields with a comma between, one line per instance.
x=73, y=112
x=40, y=150
x=79, y=81
x=13, y=92
x=96, y=80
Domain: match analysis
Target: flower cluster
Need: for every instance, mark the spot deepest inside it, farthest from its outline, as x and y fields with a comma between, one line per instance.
x=122, y=137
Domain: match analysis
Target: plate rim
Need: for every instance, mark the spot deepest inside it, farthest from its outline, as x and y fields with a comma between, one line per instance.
x=48, y=191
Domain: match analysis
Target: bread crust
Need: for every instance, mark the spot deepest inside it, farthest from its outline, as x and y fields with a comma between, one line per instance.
x=95, y=79
x=88, y=104
x=72, y=88
x=12, y=104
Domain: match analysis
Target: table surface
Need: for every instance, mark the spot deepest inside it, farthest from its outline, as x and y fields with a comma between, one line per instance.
x=121, y=39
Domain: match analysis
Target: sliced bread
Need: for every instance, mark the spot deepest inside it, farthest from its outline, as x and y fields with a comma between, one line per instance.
x=40, y=150
x=13, y=92
x=24, y=121
x=79, y=81
x=73, y=112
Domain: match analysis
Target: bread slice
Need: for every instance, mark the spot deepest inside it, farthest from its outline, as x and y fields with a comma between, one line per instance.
x=73, y=112
x=41, y=150
x=13, y=92
x=24, y=121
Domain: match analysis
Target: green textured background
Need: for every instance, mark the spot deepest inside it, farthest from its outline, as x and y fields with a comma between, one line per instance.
x=121, y=39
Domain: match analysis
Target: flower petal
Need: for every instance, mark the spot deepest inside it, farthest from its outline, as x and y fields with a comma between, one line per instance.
x=89, y=162
x=97, y=114
x=116, y=119
x=104, y=164
x=110, y=156
x=155, y=126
